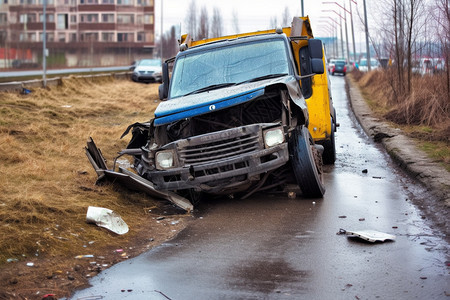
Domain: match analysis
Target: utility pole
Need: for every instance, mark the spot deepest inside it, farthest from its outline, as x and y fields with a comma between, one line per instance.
x=353, y=31
x=346, y=34
x=367, y=36
x=161, y=38
x=44, y=45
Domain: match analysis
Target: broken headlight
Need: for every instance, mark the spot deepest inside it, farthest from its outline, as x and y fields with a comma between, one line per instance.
x=164, y=159
x=273, y=137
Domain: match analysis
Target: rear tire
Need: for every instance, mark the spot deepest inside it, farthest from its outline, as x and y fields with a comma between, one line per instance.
x=306, y=163
x=329, y=153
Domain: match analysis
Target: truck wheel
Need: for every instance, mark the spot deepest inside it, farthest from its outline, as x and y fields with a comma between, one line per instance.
x=306, y=163
x=329, y=153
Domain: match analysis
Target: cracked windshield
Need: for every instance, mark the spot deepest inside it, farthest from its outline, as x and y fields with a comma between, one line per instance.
x=233, y=64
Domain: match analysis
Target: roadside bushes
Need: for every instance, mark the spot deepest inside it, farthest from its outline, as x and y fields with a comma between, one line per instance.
x=428, y=104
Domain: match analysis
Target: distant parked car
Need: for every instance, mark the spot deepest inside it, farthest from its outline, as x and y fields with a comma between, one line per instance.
x=24, y=64
x=339, y=67
x=134, y=64
x=363, y=67
x=147, y=70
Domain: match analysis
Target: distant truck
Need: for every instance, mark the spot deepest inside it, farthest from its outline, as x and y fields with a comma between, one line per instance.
x=243, y=113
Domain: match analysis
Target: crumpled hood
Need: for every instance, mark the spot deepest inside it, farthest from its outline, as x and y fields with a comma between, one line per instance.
x=206, y=102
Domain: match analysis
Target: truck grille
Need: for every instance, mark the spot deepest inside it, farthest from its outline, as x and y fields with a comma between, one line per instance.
x=218, y=148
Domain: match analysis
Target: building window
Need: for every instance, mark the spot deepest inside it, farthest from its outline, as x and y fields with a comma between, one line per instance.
x=148, y=19
x=107, y=36
x=41, y=2
x=124, y=2
x=63, y=21
x=73, y=37
x=50, y=18
x=61, y=37
x=89, y=37
x=141, y=36
x=108, y=18
x=73, y=19
x=28, y=18
x=107, y=1
x=125, y=19
x=124, y=37
x=27, y=37
x=3, y=18
x=89, y=18
x=28, y=2
x=139, y=19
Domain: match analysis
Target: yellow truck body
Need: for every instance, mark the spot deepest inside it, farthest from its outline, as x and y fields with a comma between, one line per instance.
x=322, y=119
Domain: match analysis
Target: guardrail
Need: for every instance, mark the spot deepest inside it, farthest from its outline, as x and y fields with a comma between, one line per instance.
x=23, y=86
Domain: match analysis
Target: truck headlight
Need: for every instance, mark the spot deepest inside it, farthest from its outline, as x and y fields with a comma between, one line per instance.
x=273, y=137
x=164, y=159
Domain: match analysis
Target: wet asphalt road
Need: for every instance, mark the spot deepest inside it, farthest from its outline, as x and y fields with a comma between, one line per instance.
x=274, y=247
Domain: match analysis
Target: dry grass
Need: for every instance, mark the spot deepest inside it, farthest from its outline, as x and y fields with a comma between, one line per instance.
x=424, y=114
x=47, y=182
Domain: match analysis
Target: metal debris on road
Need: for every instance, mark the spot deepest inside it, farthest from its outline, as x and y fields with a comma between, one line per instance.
x=368, y=235
x=106, y=218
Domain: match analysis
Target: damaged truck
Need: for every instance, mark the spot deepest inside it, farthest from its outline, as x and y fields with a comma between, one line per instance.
x=240, y=114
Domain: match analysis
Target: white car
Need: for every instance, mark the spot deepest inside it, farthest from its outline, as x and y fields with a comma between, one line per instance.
x=147, y=70
x=374, y=64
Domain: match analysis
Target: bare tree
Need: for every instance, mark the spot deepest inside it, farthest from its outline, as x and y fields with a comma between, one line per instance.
x=273, y=22
x=235, y=21
x=286, y=17
x=191, y=19
x=216, y=23
x=203, y=24
x=170, y=43
x=441, y=14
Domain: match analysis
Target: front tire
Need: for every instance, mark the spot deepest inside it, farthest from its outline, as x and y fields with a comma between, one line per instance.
x=306, y=163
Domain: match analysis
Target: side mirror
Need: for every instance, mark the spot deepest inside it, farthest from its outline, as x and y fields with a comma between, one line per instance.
x=315, y=48
x=163, y=88
x=316, y=53
x=162, y=91
x=317, y=66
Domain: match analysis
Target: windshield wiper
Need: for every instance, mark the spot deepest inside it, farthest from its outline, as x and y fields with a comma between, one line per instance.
x=269, y=76
x=211, y=87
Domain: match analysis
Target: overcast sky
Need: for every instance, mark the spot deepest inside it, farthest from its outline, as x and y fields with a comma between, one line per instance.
x=257, y=14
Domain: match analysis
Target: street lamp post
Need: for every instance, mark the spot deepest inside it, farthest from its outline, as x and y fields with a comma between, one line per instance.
x=367, y=37
x=44, y=45
x=340, y=25
x=346, y=27
x=353, y=30
x=161, y=38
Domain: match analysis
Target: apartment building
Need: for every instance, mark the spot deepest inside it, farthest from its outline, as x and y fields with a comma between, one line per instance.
x=79, y=32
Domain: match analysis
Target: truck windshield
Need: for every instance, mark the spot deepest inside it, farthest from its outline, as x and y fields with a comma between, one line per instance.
x=228, y=65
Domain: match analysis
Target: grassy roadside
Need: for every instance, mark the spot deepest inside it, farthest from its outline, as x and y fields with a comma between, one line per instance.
x=47, y=183
x=423, y=116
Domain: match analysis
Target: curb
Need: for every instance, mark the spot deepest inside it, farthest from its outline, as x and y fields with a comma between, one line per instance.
x=401, y=148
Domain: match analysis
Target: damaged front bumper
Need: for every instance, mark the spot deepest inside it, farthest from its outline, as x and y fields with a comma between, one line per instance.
x=221, y=162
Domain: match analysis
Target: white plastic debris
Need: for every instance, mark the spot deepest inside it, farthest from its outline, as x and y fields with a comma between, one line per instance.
x=106, y=218
x=371, y=235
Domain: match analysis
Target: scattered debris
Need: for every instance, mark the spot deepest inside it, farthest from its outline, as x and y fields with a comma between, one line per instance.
x=362, y=219
x=368, y=235
x=365, y=171
x=342, y=217
x=30, y=264
x=106, y=218
x=12, y=260
x=85, y=256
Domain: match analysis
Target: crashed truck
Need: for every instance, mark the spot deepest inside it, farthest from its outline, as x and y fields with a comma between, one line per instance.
x=240, y=114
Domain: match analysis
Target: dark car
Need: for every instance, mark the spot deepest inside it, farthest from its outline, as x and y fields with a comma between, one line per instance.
x=147, y=70
x=339, y=67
